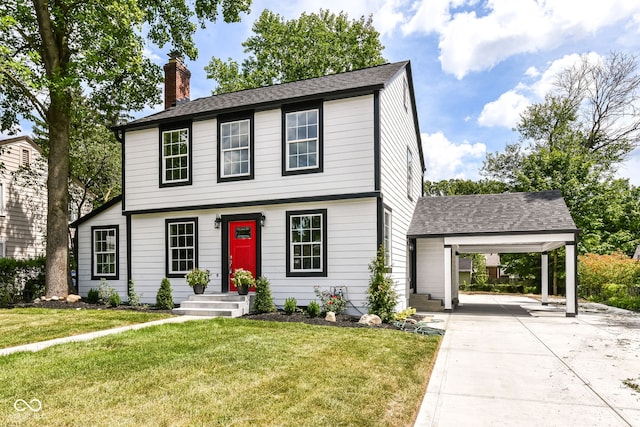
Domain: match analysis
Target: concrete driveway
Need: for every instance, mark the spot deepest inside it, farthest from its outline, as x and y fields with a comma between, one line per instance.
x=509, y=361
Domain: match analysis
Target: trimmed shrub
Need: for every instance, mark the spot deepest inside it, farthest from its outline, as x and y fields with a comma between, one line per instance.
x=114, y=300
x=313, y=309
x=105, y=292
x=93, y=297
x=164, y=298
x=382, y=297
x=133, y=296
x=263, y=302
x=290, y=305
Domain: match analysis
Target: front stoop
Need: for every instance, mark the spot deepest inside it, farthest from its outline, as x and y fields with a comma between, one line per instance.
x=423, y=302
x=215, y=305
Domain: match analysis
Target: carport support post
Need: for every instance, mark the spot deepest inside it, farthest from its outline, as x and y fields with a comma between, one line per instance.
x=570, y=288
x=447, y=278
x=544, y=285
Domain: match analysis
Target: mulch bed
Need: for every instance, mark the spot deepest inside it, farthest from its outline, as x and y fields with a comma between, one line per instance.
x=342, y=320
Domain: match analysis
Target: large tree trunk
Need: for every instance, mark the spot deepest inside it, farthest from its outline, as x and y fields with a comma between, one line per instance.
x=56, y=55
x=57, y=211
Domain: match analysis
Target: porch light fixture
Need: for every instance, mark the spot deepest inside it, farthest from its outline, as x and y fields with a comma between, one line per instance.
x=262, y=219
x=218, y=221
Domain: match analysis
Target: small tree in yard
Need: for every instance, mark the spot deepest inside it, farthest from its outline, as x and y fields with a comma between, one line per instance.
x=264, y=301
x=164, y=299
x=382, y=297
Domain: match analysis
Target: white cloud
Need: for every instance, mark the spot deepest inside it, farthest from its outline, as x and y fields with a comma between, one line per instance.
x=505, y=111
x=631, y=168
x=446, y=160
x=471, y=42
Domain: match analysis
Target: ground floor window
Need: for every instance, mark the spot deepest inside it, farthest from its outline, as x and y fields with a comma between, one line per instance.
x=182, y=246
x=104, y=246
x=307, y=243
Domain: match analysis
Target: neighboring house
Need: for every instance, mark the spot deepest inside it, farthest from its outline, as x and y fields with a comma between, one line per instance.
x=636, y=254
x=465, y=270
x=23, y=199
x=300, y=182
x=492, y=262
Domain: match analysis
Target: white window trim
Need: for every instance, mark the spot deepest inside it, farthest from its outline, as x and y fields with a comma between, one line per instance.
x=165, y=157
x=3, y=247
x=240, y=149
x=95, y=253
x=295, y=141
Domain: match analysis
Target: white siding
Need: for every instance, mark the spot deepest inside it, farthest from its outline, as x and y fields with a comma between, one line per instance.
x=397, y=132
x=111, y=216
x=348, y=162
x=351, y=240
x=430, y=267
x=23, y=226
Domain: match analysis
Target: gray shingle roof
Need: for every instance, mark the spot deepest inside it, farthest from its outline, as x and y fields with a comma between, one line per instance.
x=506, y=213
x=365, y=80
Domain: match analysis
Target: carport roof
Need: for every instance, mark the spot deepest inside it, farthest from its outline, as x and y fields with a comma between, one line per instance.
x=478, y=214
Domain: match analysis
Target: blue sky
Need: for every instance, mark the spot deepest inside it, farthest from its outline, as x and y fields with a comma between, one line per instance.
x=476, y=63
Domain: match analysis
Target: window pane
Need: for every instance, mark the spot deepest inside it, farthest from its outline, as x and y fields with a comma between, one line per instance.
x=181, y=246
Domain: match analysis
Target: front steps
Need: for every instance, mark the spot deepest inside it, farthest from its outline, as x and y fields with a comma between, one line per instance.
x=423, y=302
x=215, y=305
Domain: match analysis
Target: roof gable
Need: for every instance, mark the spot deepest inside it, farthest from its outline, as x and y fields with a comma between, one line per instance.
x=505, y=213
x=365, y=80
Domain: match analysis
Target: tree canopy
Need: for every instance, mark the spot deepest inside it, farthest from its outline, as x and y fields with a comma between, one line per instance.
x=54, y=53
x=458, y=186
x=313, y=45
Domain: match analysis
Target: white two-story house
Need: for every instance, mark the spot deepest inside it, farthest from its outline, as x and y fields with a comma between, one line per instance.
x=298, y=182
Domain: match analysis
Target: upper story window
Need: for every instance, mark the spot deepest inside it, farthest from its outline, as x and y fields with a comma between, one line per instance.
x=307, y=243
x=235, y=148
x=104, y=252
x=25, y=158
x=409, y=173
x=175, y=146
x=302, y=139
x=182, y=246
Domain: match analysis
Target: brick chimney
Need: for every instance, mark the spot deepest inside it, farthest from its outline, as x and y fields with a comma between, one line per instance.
x=176, y=81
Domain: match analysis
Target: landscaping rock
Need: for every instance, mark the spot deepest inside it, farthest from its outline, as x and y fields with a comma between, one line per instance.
x=36, y=301
x=55, y=298
x=330, y=317
x=73, y=298
x=411, y=321
x=370, y=319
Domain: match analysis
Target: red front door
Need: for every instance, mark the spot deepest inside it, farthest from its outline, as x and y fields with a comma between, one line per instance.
x=242, y=248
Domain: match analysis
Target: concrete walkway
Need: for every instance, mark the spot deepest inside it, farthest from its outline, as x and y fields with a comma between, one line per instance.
x=509, y=361
x=91, y=335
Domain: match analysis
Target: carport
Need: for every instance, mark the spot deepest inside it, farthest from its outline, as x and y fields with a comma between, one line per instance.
x=444, y=227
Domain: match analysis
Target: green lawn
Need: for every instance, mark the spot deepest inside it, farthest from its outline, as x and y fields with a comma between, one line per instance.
x=28, y=325
x=223, y=372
